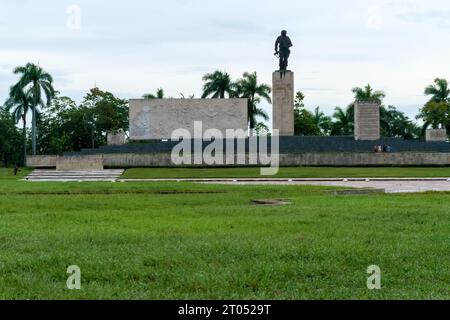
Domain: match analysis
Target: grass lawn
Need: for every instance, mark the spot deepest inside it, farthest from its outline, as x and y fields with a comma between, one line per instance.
x=289, y=172
x=8, y=174
x=186, y=241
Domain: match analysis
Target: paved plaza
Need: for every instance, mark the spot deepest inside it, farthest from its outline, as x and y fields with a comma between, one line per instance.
x=390, y=186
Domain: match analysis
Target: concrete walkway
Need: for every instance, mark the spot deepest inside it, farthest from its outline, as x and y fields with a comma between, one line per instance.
x=396, y=186
x=390, y=185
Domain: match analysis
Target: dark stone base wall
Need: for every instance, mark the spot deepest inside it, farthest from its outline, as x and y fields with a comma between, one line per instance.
x=294, y=151
x=287, y=145
x=302, y=159
x=133, y=160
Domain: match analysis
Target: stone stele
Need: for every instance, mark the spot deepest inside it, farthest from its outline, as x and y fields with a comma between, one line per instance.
x=116, y=138
x=283, y=102
x=367, y=121
x=157, y=119
x=436, y=135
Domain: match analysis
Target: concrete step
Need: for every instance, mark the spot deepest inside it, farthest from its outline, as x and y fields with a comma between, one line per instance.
x=66, y=176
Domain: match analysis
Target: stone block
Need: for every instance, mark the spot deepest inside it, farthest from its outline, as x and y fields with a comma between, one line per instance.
x=283, y=102
x=79, y=163
x=367, y=121
x=116, y=138
x=41, y=161
x=436, y=135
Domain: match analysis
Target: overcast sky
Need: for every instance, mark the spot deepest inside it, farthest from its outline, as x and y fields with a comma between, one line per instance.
x=135, y=46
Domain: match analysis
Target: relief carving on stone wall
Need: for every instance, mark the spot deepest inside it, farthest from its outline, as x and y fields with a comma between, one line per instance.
x=162, y=117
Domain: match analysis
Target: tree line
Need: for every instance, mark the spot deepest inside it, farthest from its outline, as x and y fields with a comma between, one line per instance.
x=394, y=123
x=59, y=124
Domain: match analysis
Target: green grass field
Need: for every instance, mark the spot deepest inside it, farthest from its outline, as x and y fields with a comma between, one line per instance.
x=189, y=241
x=297, y=172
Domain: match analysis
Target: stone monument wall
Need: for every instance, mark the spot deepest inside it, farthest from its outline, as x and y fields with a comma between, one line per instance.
x=79, y=163
x=367, y=121
x=157, y=119
x=436, y=135
x=116, y=138
x=340, y=159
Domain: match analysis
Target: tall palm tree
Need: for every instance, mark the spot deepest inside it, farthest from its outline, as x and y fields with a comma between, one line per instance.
x=217, y=84
x=368, y=94
x=249, y=88
x=20, y=103
x=344, y=122
x=440, y=91
x=159, y=94
x=39, y=83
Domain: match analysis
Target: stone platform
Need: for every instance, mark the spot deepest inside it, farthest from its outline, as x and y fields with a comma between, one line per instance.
x=288, y=145
x=294, y=151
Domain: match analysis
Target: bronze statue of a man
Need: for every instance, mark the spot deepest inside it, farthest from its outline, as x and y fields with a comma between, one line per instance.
x=282, y=49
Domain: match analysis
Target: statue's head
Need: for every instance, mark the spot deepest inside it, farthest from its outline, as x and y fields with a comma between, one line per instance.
x=284, y=33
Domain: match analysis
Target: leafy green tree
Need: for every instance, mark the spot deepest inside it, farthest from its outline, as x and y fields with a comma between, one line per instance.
x=368, y=94
x=10, y=139
x=66, y=126
x=38, y=83
x=304, y=122
x=19, y=103
x=159, y=94
x=249, y=88
x=395, y=123
x=436, y=112
x=435, y=115
x=217, y=84
x=440, y=91
x=110, y=113
x=344, y=121
x=62, y=124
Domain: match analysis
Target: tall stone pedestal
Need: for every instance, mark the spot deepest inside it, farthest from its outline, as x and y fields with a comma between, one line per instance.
x=367, y=121
x=283, y=102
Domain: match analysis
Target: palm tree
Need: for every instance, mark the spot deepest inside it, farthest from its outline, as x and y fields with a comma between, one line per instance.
x=159, y=94
x=20, y=103
x=38, y=83
x=440, y=91
x=322, y=121
x=435, y=114
x=344, y=124
x=261, y=129
x=248, y=88
x=217, y=84
x=368, y=94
